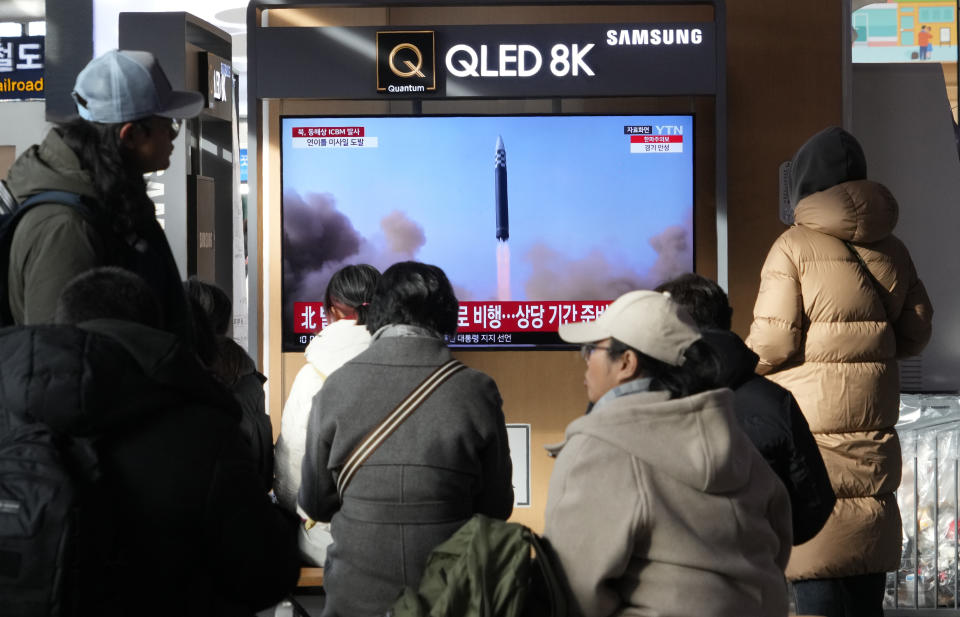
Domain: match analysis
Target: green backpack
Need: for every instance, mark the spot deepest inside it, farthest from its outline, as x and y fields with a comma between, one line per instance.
x=485, y=569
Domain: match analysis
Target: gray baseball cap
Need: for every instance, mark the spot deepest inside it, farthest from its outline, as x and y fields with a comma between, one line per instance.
x=123, y=85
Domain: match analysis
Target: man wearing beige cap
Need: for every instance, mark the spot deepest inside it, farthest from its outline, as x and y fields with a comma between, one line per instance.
x=658, y=502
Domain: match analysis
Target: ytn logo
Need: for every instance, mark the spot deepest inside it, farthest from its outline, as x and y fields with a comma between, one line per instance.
x=668, y=129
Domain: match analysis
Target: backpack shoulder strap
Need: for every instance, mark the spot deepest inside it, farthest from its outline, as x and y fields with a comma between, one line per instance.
x=550, y=594
x=379, y=433
x=67, y=198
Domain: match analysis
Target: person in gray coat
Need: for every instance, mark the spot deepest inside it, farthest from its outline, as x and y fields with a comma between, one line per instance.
x=447, y=461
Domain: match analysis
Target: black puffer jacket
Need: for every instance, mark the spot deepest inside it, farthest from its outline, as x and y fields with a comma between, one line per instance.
x=203, y=537
x=771, y=418
x=236, y=370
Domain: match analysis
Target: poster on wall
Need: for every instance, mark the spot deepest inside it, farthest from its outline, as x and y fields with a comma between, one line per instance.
x=518, y=436
x=907, y=31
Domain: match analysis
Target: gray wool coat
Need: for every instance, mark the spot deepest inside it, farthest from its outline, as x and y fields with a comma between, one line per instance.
x=448, y=460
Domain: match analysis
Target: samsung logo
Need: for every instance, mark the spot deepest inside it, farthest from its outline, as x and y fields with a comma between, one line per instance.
x=655, y=36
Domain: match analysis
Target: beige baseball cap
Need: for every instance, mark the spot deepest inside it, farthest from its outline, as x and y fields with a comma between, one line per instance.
x=648, y=321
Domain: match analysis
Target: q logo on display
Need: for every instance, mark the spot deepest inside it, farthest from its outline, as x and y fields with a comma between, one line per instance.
x=406, y=62
x=414, y=68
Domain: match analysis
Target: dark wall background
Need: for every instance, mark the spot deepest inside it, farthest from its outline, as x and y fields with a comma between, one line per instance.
x=69, y=46
x=785, y=83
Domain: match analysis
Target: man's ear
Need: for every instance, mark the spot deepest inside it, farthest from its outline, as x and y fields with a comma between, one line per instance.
x=127, y=131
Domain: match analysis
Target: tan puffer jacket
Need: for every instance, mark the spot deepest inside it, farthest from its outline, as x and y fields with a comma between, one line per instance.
x=824, y=331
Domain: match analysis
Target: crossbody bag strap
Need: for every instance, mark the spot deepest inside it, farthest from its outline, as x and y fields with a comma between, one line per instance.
x=394, y=419
x=877, y=287
x=853, y=251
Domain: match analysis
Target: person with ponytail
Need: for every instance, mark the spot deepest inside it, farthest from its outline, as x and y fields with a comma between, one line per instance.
x=658, y=502
x=346, y=302
x=129, y=117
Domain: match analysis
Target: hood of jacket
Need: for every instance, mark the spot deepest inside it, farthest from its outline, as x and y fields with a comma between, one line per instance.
x=694, y=440
x=831, y=157
x=336, y=344
x=49, y=166
x=861, y=211
x=100, y=376
x=737, y=361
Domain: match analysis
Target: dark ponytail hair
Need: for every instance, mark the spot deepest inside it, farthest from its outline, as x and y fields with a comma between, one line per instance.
x=699, y=372
x=213, y=301
x=120, y=186
x=353, y=286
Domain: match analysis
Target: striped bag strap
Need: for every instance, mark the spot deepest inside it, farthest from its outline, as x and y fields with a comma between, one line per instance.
x=379, y=433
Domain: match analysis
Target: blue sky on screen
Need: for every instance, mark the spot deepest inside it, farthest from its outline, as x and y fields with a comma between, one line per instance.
x=581, y=206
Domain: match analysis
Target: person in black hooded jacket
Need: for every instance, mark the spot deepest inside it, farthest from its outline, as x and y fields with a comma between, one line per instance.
x=197, y=535
x=212, y=312
x=767, y=412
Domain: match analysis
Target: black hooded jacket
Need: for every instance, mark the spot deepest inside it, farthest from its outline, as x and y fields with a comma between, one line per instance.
x=201, y=535
x=771, y=418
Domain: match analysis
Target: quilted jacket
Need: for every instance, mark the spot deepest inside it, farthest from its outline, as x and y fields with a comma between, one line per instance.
x=831, y=333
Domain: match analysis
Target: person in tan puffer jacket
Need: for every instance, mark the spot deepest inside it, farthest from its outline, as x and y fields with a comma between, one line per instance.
x=839, y=303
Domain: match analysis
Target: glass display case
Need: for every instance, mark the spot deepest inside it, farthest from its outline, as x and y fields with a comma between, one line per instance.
x=929, y=495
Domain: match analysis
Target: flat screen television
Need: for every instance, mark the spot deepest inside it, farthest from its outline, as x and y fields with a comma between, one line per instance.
x=536, y=219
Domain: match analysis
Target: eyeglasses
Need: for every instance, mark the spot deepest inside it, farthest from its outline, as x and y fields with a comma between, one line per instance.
x=153, y=122
x=587, y=350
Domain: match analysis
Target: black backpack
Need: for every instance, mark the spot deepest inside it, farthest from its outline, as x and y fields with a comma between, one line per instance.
x=10, y=214
x=57, y=528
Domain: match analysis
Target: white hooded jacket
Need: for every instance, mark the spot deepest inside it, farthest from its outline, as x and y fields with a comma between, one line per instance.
x=332, y=348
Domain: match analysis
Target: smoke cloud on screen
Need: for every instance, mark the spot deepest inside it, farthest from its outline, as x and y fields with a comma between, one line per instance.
x=404, y=237
x=318, y=240
x=596, y=277
x=674, y=248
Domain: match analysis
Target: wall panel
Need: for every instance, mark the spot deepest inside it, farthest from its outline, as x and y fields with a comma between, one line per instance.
x=784, y=83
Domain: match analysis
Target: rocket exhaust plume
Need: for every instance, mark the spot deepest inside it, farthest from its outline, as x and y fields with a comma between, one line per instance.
x=503, y=221
x=503, y=271
x=500, y=185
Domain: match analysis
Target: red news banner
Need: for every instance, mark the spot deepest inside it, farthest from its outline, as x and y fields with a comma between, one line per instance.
x=332, y=137
x=328, y=131
x=643, y=144
x=482, y=317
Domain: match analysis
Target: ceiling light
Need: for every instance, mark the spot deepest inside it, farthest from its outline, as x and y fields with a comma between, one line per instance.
x=11, y=28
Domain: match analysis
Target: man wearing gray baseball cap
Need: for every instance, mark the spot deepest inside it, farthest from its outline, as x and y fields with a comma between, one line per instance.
x=89, y=203
x=658, y=502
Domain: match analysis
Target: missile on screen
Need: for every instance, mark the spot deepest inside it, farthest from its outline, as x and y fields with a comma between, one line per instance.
x=500, y=180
